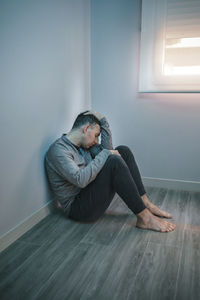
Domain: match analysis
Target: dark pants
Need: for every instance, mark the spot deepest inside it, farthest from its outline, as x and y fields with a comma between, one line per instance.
x=119, y=175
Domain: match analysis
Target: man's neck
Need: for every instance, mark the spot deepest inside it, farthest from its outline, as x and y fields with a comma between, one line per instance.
x=74, y=137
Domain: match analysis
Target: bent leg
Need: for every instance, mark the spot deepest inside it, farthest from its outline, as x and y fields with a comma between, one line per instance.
x=128, y=157
x=93, y=200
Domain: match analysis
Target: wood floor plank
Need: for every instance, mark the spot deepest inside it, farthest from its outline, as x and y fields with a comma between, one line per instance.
x=54, y=227
x=149, y=189
x=36, y=270
x=39, y=233
x=192, y=215
x=33, y=273
x=100, y=271
x=105, y=229
x=188, y=284
x=114, y=280
x=157, y=195
x=13, y=256
x=158, y=273
x=67, y=282
x=175, y=202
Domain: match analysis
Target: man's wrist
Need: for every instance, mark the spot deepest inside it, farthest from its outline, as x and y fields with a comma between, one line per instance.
x=103, y=121
x=95, y=113
x=99, y=116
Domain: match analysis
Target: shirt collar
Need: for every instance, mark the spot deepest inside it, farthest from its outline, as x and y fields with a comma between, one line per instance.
x=65, y=139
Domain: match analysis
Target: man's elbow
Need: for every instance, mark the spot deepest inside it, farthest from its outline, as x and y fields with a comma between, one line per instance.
x=81, y=184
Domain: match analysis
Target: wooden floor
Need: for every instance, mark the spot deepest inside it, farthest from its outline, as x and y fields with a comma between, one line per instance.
x=110, y=259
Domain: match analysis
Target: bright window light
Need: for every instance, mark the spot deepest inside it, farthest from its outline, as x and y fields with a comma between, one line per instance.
x=185, y=43
x=170, y=46
x=172, y=70
x=182, y=57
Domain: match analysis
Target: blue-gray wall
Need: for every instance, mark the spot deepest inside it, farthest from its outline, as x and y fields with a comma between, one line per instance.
x=44, y=83
x=161, y=129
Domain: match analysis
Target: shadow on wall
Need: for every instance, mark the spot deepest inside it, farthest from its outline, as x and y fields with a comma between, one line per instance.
x=48, y=191
x=34, y=187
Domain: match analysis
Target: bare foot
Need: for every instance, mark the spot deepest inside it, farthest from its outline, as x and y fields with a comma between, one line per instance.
x=155, y=210
x=146, y=220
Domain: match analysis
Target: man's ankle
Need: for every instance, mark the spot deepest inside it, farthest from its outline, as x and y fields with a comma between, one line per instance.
x=143, y=214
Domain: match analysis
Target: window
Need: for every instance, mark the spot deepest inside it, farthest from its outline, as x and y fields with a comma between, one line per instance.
x=170, y=46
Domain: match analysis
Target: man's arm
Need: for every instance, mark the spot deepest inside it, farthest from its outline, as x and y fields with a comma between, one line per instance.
x=62, y=162
x=106, y=135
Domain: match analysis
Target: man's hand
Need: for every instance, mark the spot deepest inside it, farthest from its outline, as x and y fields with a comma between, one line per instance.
x=115, y=152
x=95, y=113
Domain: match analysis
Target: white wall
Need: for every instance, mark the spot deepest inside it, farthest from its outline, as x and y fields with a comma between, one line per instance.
x=161, y=129
x=44, y=83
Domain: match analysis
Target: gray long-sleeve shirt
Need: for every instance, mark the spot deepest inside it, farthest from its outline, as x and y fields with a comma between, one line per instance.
x=70, y=168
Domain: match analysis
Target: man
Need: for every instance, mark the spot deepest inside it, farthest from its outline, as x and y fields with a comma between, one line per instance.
x=84, y=175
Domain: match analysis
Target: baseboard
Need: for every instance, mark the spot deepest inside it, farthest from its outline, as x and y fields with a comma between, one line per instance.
x=15, y=233
x=172, y=184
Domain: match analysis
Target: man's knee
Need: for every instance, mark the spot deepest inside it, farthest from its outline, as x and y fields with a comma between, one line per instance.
x=124, y=149
x=116, y=160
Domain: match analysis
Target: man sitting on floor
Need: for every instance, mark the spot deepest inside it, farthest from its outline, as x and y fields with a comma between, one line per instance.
x=84, y=175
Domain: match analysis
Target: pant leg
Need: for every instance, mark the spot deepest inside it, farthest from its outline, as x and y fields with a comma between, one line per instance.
x=128, y=157
x=93, y=200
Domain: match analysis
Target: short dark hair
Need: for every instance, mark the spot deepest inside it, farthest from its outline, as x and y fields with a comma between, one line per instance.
x=83, y=119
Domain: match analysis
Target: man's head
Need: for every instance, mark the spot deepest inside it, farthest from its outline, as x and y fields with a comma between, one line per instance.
x=89, y=127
